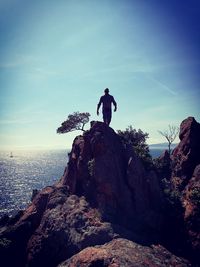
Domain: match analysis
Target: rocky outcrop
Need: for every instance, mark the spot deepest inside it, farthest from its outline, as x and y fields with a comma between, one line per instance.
x=191, y=204
x=186, y=155
x=66, y=229
x=105, y=198
x=123, y=252
x=112, y=178
x=185, y=181
x=66, y=225
x=16, y=232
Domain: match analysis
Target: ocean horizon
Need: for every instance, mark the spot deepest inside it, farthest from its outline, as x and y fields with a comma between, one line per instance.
x=24, y=171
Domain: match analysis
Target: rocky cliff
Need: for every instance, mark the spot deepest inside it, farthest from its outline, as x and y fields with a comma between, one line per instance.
x=106, y=210
x=186, y=180
x=186, y=156
x=113, y=179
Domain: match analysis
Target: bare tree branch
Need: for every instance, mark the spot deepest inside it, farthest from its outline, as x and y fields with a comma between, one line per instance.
x=170, y=135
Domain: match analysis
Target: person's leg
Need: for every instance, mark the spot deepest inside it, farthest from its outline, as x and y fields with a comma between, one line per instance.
x=107, y=117
x=104, y=117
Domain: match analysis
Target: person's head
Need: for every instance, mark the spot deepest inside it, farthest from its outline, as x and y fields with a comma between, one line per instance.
x=106, y=91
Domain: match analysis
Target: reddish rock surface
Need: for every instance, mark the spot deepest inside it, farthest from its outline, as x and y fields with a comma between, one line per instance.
x=104, y=194
x=191, y=203
x=112, y=177
x=124, y=253
x=186, y=179
x=66, y=229
x=186, y=155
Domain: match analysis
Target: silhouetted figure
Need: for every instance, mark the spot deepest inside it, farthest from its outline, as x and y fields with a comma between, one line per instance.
x=107, y=100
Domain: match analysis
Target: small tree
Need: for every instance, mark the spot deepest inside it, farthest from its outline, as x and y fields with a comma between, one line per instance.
x=137, y=139
x=170, y=135
x=75, y=121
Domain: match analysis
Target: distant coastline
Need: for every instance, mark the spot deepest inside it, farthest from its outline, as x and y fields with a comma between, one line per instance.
x=156, y=150
x=162, y=146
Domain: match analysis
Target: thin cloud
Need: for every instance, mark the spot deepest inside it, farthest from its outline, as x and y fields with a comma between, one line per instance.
x=162, y=85
x=128, y=68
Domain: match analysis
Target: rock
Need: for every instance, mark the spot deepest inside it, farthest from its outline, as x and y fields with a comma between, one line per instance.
x=111, y=177
x=65, y=229
x=191, y=203
x=146, y=193
x=105, y=195
x=185, y=181
x=34, y=193
x=123, y=252
x=35, y=210
x=20, y=229
x=186, y=155
x=4, y=220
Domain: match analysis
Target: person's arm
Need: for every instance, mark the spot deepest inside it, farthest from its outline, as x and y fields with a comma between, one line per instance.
x=98, y=106
x=115, y=104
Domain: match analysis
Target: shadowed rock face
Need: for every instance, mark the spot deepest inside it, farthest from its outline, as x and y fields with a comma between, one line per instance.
x=186, y=178
x=111, y=177
x=66, y=229
x=66, y=225
x=191, y=204
x=186, y=155
x=104, y=195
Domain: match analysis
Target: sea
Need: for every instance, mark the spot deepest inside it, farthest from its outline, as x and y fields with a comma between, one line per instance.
x=23, y=171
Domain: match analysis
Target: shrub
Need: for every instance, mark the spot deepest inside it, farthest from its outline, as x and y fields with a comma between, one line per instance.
x=137, y=139
x=195, y=196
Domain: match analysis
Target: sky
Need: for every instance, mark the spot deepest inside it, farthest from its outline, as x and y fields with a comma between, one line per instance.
x=57, y=57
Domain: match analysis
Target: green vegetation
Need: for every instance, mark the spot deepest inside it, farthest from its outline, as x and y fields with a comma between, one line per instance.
x=137, y=139
x=75, y=121
x=195, y=196
x=5, y=243
x=163, y=167
x=91, y=167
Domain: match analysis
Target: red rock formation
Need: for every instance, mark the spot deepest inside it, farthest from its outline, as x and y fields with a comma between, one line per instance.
x=186, y=155
x=186, y=179
x=112, y=178
x=191, y=203
x=105, y=193
x=65, y=229
x=122, y=252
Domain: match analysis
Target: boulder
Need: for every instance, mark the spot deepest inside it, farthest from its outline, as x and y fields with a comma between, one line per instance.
x=16, y=232
x=65, y=229
x=123, y=252
x=186, y=155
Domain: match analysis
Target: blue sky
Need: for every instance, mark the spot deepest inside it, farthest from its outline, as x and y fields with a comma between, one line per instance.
x=56, y=57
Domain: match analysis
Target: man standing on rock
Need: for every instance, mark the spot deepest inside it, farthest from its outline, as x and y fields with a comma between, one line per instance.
x=107, y=101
